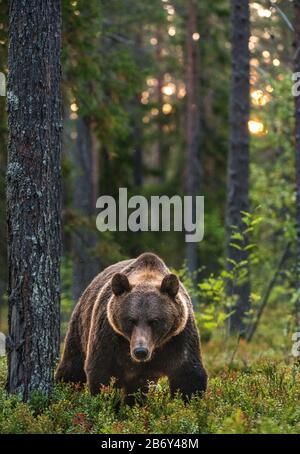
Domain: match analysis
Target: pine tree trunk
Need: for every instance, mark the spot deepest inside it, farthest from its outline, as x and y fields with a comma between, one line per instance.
x=297, y=119
x=193, y=173
x=137, y=132
x=160, y=101
x=138, y=147
x=84, y=238
x=238, y=167
x=33, y=194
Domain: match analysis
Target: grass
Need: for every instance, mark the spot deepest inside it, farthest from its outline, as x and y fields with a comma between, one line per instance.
x=260, y=398
x=257, y=390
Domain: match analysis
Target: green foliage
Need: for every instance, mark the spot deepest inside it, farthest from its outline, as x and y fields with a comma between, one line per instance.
x=272, y=168
x=272, y=182
x=259, y=399
x=214, y=303
x=66, y=302
x=244, y=240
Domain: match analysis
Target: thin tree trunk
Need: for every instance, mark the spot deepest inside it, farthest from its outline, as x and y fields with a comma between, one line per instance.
x=297, y=118
x=137, y=132
x=160, y=84
x=138, y=149
x=84, y=238
x=193, y=173
x=253, y=327
x=33, y=194
x=238, y=167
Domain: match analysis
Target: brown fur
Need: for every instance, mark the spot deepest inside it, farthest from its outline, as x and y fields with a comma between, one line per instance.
x=135, y=305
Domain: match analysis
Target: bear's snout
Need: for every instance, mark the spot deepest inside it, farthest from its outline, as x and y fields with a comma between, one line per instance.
x=141, y=344
x=141, y=353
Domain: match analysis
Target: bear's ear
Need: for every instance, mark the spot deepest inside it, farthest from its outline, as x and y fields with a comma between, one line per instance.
x=120, y=284
x=170, y=285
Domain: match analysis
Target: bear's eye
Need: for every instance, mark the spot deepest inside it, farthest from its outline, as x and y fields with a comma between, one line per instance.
x=131, y=321
x=153, y=322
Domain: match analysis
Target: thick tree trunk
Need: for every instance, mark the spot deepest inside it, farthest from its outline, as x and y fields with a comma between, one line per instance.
x=297, y=119
x=84, y=238
x=33, y=194
x=193, y=174
x=238, y=166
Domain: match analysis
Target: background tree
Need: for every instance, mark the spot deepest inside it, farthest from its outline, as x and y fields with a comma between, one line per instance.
x=138, y=175
x=238, y=166
x=85, y=191
x=297, y=118
x=81, y=150
x=192, y=176
x=33, y=194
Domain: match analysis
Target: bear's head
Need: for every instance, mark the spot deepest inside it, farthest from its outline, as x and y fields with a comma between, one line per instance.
x=146, y=313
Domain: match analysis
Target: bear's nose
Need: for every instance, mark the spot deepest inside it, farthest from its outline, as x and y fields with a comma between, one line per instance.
x=141, y=353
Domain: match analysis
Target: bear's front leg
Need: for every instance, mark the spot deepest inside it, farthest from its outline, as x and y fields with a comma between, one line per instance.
x=132, y=390
x=98, y=375
x=95, y=382
x=100, y=363
x=190, y=378
x=99, y=370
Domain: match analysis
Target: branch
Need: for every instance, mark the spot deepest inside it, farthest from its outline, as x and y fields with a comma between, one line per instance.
x=254, y=325
x=283, y=15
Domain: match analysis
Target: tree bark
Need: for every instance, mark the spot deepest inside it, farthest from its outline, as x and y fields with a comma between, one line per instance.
x=33, y=194
x=138, y=145
x=160, y=101
x=297, y=120
x=238, y=166
x=84, y=238
x=193, y=173
x=137, y=132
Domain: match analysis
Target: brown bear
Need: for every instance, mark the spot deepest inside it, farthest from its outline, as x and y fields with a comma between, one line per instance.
x=135, y=323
